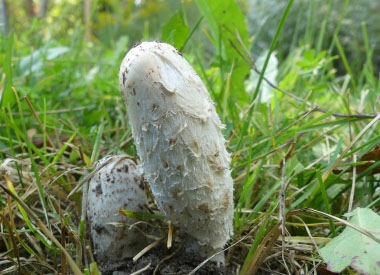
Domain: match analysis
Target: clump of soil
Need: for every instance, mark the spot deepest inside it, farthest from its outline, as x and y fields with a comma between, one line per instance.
x=179, y=263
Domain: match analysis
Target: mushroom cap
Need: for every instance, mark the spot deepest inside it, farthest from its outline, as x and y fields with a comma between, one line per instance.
x=116, y=186
x=178, y=136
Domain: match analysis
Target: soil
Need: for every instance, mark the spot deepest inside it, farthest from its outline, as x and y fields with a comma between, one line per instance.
x=178, y=264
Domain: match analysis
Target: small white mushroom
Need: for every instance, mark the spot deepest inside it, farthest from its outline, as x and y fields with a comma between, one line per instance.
x=178, y=136
x=116, y=186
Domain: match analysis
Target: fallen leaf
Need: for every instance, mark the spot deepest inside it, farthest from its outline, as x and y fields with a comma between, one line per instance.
x=354, y=249
x=366, y=160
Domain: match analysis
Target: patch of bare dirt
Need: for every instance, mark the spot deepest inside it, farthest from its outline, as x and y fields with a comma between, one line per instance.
x=179, y=264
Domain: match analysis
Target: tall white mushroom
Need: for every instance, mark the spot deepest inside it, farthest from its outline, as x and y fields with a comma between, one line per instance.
x=178, y=136
x=116, y=186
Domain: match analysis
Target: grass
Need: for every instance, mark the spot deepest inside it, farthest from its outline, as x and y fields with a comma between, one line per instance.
x=61, y=111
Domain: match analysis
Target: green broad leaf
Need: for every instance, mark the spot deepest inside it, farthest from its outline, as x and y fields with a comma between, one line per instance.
x=354, y=249
x=175, y=31
x=228, y=31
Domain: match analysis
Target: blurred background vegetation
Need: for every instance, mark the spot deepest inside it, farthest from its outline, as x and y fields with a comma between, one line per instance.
x=355, y=22
x=105, y=29
x=69, y=53
x=100, y=32
x=66, y=53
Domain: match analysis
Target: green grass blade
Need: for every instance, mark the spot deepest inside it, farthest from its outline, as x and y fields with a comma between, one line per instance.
x=261, y=76
x=326, y=200
x=345, y=62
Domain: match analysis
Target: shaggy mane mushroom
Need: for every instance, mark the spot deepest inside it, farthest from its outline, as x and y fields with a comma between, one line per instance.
x=179, y=140
x=116, y=186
